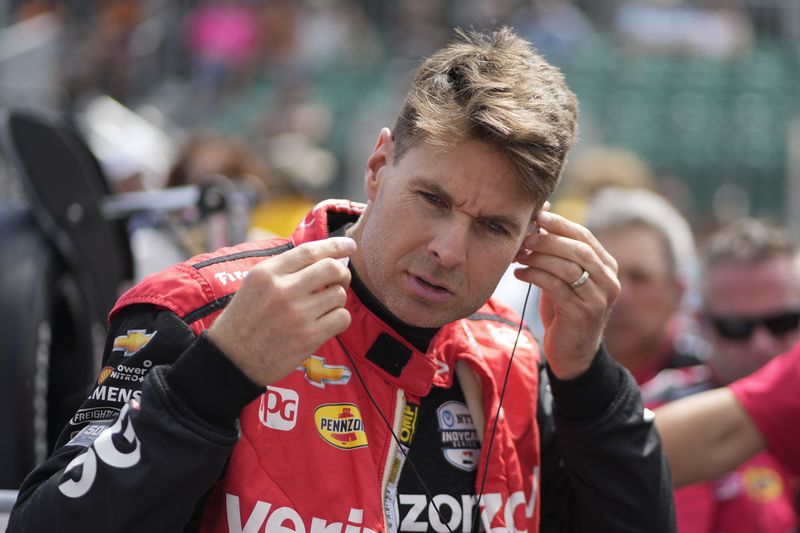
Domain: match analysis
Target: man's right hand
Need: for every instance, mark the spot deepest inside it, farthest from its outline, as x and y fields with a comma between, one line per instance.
x=285, y=309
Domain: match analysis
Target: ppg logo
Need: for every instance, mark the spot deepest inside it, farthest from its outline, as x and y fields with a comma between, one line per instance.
x=278, y=408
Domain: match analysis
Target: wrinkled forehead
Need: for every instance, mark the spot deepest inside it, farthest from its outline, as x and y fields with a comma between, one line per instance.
x=526, y=184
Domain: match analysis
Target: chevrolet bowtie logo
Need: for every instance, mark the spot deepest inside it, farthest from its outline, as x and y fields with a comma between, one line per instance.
x=318, y=373
x=133, y=341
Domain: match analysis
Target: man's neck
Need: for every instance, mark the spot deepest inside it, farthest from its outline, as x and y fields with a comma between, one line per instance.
x=417, y=336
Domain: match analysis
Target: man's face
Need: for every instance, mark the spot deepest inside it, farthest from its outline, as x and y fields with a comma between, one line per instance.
x=441, y=227
x=650, y=294
x=739, y=290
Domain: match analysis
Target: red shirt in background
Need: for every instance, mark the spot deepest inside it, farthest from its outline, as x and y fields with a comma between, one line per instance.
x=771, y=396
x=757, y=497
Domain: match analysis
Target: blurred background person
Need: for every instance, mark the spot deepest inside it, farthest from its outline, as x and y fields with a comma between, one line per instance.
x=233, y=181
x=596, y=168
x=223, y=38
x=710, y=433
x=208, y=154
x=558, y=27
x=751, y=297
x=750, y=287
x=712, y=29
x=654, y=248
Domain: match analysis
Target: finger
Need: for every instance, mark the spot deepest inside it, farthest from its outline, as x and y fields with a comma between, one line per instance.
x=578, y=252
x=563, y=269
x=558, y=225
x=587, y=296
x=324, y=301
x=326, y=271
x=332, y=323
x=551, y=285
x=566, y=259
x=522, y=254
x=311, y=252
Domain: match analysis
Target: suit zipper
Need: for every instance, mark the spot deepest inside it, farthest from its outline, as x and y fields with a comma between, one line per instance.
x=394, y=465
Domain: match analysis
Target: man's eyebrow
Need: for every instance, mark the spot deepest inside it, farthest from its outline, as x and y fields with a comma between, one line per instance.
x=432, y=186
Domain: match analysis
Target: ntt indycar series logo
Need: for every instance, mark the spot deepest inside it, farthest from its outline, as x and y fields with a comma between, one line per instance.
x=341, y=425
x=460, y=444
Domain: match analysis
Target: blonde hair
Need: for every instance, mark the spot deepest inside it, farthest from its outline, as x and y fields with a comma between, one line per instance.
x=496, y=88
x=607, y=166
x=747, y=240
x=616, y=208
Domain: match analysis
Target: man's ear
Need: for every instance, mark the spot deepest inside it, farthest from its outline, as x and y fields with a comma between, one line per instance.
x=382, y=155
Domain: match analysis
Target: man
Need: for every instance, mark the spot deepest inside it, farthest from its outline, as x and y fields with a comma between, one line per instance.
x=752, y=414
x=751, y=312
x=654, y=249
x=394, y=422
x=751, y=294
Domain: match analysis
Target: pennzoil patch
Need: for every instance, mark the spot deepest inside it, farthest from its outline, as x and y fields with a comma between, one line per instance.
x=341, y=425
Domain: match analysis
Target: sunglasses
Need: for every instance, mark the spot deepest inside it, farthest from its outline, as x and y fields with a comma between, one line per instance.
x=740, y=329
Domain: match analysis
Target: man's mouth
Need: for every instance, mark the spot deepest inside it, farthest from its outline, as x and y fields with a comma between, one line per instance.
x=434, y=285
x=429, y=290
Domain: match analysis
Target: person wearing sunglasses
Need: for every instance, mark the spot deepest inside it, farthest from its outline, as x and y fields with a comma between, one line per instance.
x=751, y=297
x=732, y=424
x=750, y=290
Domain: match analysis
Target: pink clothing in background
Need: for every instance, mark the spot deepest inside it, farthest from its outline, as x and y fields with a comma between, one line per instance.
x=228, y=34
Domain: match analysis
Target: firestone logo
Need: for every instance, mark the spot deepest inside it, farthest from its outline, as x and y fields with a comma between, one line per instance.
x=230, y=277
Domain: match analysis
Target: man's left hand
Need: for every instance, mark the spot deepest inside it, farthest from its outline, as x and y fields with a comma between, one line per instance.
x=579, y=283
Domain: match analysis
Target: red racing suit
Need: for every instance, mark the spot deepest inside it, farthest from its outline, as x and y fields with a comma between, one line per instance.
x=156, y=446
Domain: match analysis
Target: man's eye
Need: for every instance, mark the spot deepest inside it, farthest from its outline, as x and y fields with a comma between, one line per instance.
x=495, y=228
x=431, y=198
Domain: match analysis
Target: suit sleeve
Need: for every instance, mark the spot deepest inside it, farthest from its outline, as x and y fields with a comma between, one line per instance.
x=149, y=441
x=602, y=465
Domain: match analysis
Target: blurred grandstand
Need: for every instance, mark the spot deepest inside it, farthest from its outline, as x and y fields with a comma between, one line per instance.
x=706, y=91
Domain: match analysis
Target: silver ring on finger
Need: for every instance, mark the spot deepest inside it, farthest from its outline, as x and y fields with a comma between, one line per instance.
x=583, y=278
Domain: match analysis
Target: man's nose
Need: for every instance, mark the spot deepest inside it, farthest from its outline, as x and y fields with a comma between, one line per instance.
x=449, y=243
